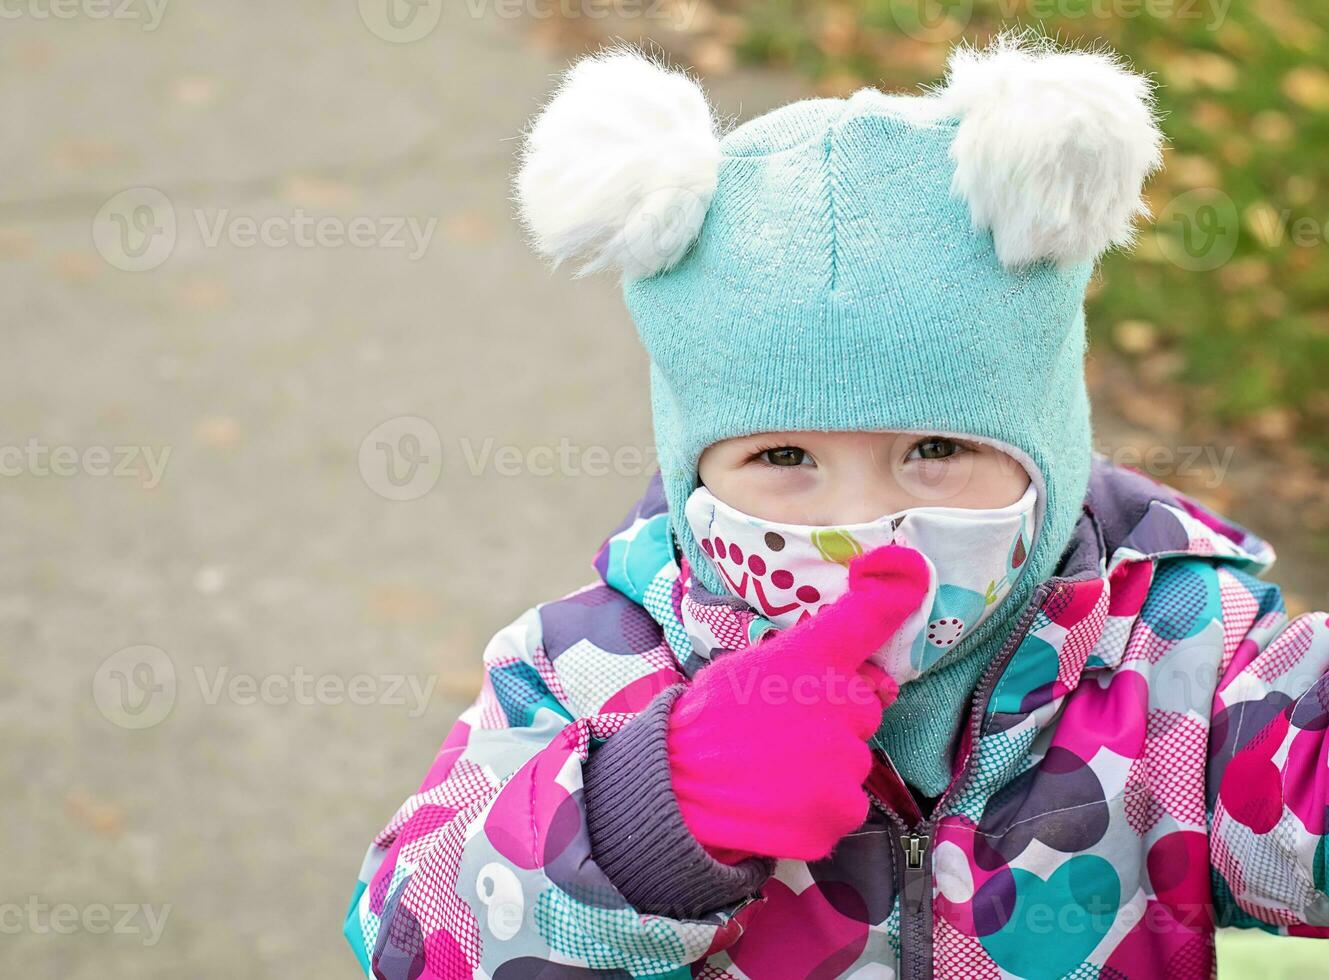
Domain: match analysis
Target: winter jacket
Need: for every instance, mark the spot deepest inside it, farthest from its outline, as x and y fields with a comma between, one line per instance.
x=1146, y=759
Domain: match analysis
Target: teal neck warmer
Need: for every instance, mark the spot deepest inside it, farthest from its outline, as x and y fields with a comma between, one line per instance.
x=919, y=731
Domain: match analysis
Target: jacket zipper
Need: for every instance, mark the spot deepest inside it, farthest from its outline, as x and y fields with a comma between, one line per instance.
x=914, y=881
x=913, y=839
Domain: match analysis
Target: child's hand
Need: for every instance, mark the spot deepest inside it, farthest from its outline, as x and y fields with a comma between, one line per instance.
x=768, y=747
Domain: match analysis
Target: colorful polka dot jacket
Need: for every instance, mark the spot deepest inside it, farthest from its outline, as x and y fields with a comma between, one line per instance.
x=1147, y=758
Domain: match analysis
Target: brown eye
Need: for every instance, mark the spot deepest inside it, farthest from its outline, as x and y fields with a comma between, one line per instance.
x=935, y=448
x=784, y=456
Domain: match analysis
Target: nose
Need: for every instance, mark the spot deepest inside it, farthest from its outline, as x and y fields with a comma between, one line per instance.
x=861, y=501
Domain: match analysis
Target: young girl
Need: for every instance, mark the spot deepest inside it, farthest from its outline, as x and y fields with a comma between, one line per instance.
x=886, y=675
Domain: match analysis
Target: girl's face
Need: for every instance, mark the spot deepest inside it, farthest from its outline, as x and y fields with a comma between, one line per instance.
x=829, y=478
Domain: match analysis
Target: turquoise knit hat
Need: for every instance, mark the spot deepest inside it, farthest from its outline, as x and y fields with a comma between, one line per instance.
x=837, y=284
x=879, y=262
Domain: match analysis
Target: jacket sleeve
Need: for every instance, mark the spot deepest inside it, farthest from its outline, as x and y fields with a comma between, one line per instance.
x=1268, y=771
x=542, y=836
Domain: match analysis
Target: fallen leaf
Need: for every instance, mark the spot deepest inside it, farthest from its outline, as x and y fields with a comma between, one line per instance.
x=195, y=90
x=204, y=294
x=34, y=55
x=1161, y=367
x=838, y=33
x=15, y=244
x=1236, y=150
x=713, y=57
x=1194, y=171
x=1211, y=116
x=106, y=819
x=1271, y=303
x=839, y=84
x=310, y=191
x=76, y=266
x=1234, y=38
x=1308, y=85
x=401, y=604
x=1272, y=126
x=1242, y=273
x=1265, y=223
x=218, y=432
x=1135, y=336
x=1300, y=189
x=468, y=227
x=1159, y=413
x=1275, y=423
x=1189, y=71
x=85, y=154
x=1287, y=25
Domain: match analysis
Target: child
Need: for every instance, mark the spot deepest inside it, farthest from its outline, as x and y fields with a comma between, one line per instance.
x=1040, y=720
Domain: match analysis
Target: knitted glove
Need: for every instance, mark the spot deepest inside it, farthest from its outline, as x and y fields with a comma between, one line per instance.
x=768, y=747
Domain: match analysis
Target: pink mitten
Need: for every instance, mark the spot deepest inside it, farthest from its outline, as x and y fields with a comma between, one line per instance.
x=768, y=747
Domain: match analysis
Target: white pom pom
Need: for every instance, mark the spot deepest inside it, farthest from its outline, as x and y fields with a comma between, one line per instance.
x=1052, y=149
x=620, y=167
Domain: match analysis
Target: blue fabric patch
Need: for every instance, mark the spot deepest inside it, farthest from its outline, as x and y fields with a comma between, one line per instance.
x=521, y=692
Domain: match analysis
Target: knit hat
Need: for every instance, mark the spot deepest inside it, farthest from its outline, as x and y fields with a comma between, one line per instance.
x=881, y=262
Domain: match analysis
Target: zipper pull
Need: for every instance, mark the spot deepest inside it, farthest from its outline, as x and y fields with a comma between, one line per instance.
x=915, y=849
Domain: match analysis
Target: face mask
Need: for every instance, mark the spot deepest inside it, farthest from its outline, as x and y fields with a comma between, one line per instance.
x=789, y=571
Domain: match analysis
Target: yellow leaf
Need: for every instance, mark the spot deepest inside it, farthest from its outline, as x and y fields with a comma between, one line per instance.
x=204, y=294
x=1272, y=126
x=218, y=432
x=1243, y=273
x=1299, y=189
x=308, y=190
x=1211, y=116
x=401, y=604
x=712, y=57
x=1135, y=336
x=1287, y=25
x=1234, y=38
x=1265, y=223
x=1194, y=171
x=839, y=84
x=1277, y=424
x=15, y=244
x=838, y=34
x=1236, y=150
x=1308, y=86
x=194, y=90
x=1200, y=69
x=76, y=266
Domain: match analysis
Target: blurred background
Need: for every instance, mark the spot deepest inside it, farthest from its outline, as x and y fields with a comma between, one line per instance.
x=293, y=422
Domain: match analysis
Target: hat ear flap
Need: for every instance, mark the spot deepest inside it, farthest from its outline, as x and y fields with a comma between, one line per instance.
x=1052, y=149
x=620, y=166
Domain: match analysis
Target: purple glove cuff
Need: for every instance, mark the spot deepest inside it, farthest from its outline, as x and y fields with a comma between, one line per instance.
x=638, y=836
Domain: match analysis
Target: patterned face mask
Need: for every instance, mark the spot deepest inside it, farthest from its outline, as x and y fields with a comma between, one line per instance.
x=789, y=571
